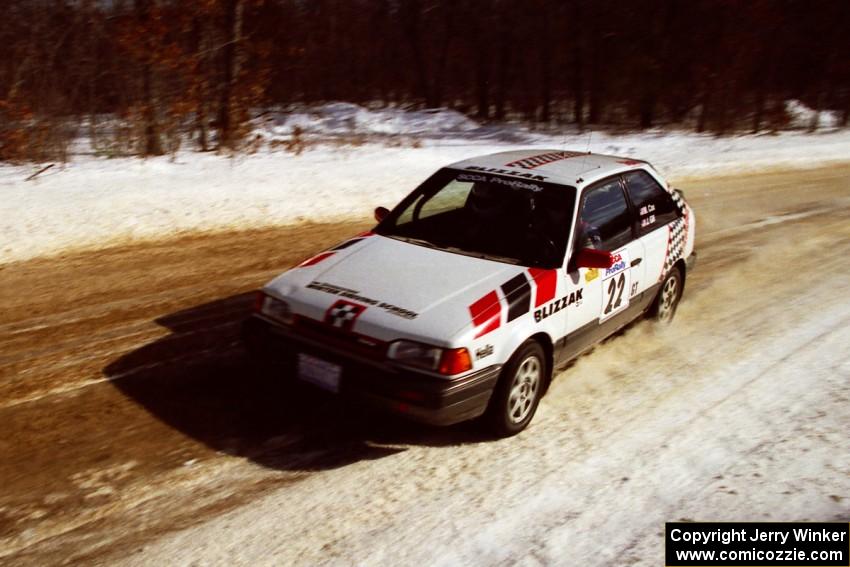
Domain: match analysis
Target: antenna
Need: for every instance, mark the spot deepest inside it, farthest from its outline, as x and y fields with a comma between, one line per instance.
x=587, y=151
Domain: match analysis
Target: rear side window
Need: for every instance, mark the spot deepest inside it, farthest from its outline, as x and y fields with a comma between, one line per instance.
x=653, y=204
x=605, y=222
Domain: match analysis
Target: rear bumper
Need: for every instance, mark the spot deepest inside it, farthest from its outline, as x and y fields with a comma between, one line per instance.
x=403, y=391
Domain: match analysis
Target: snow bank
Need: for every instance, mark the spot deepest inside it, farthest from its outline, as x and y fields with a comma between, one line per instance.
x=801, y=116
x=96, y=201
x=345, y=118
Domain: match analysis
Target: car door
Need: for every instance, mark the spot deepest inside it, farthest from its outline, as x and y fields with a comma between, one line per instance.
x=655, y=211
x=605, y=221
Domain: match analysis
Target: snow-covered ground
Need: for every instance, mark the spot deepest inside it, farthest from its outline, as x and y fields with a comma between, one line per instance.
x=736, y=413
x=95, y=201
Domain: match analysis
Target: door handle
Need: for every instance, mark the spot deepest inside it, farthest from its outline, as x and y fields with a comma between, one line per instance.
x=636, y=261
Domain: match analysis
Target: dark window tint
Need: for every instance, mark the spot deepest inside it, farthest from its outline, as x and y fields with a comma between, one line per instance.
x=654, y=205
x=605, y=220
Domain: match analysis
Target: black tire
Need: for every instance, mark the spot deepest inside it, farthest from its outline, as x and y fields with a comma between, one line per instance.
x=518, y=393
x=664, y=307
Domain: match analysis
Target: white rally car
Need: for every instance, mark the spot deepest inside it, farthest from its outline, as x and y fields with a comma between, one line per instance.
x=494, y=272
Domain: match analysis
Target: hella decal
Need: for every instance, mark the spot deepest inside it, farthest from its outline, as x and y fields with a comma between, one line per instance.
x=573, y=298
x=484, y=351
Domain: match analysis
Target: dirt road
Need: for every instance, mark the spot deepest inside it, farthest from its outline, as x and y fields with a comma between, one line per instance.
x=134, y=428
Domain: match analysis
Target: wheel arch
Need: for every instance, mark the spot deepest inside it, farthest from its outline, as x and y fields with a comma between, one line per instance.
x=545, y=341
x=680, y=264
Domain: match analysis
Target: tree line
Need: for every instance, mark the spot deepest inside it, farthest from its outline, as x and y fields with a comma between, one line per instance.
x=144, y=76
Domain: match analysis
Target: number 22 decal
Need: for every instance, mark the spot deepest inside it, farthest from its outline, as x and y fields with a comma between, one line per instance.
x=615, y=289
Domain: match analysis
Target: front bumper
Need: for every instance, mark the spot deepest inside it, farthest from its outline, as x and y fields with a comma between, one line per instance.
x=412, y=394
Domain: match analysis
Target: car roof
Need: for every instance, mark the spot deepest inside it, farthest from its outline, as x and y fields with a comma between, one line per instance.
x=559, y=166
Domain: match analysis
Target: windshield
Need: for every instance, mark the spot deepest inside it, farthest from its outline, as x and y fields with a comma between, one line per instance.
x=490, y=216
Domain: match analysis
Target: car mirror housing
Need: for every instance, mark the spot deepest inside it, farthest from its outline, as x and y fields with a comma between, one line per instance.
x=381, y=213
x=590, y=258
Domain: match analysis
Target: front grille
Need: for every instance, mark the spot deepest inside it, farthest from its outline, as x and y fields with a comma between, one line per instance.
x=344, y=340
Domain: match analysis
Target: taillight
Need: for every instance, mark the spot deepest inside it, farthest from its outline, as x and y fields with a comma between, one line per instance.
x=454, y=361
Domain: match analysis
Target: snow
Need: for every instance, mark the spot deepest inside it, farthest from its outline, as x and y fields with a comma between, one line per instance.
x=96, y=201
x=656, y=425
x=801, y=116
x=345, y=118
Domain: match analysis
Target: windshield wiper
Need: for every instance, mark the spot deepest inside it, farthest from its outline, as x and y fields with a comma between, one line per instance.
x=420, y=241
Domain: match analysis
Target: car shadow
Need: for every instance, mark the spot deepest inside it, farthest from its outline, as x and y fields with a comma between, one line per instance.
x=200, y=381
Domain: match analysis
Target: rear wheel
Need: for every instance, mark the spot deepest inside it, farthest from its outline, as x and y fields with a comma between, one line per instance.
x=668, y=297
x=518, y=392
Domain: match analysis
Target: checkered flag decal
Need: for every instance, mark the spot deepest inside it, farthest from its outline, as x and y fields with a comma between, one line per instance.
x=677, y=199
x=677, y=235
x=676, y=238
x=342, y=314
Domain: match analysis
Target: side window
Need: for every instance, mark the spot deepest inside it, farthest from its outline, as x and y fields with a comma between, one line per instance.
x=605, y=222
x=653, y=204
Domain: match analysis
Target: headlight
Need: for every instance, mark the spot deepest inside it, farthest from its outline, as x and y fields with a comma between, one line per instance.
x=274, y=308
x=445, y=361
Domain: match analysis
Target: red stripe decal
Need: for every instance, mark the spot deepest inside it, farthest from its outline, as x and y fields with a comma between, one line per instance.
x=315, y=259
x=546, y=281
x=486, y=314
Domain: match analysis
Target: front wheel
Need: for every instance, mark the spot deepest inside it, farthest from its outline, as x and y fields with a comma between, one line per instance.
x=518, y=392
x=668, y=297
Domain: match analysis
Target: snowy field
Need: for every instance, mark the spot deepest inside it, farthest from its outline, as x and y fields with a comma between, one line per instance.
x=95, y=201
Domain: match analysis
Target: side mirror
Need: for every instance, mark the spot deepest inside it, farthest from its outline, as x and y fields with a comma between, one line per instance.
x=381, y=213
x=590, y=258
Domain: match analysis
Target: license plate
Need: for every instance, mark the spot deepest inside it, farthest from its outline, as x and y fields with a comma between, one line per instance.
x=320, y=372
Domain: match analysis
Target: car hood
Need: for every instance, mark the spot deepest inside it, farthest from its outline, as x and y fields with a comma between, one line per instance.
x=403, y=290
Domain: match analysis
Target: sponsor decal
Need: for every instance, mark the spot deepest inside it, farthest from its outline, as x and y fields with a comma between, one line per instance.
x=516, y=184
x=356, y=296
x=634, y=288
x=618, y=266
x=543, y=159
x=484, y=351
x=573, y=298
x=486, y=314
x=545, y=281
x=645, y=222
x=518, y=294
x=616, y=286
x=591, y=274
x=646, y=209
x=513, y=183
x=342, y=314
x=315, y=259
x=532, y=176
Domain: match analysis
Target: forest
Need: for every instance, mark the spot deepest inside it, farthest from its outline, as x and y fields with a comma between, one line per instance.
x=142, y=77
